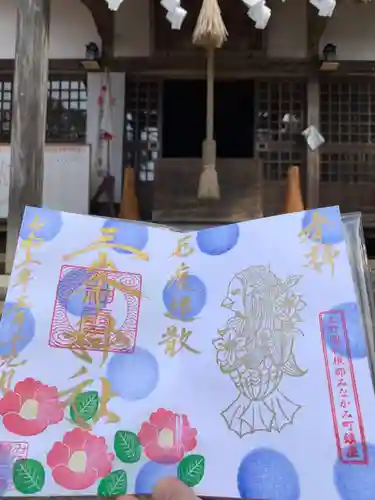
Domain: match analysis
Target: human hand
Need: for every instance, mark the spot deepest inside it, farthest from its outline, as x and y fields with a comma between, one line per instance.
x=168, y=488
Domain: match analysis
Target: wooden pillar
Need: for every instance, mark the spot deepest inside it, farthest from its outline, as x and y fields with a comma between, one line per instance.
x=313, y=157
x=29, y=115
x=316, y=25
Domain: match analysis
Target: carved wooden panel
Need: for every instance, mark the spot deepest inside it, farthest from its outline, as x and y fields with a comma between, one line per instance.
x=242, y=34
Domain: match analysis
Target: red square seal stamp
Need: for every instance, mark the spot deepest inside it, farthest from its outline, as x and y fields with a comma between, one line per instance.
x=96, y=310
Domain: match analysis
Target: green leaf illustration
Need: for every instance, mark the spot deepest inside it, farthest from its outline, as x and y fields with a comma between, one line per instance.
x=85, y=406
x=28, y=476
x=127, y=447
x=191, y=470
x=115, y=483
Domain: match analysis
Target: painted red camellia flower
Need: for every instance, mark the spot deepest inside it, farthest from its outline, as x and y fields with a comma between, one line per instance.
x=30, y=408
x=79, y=460
x=167, y=437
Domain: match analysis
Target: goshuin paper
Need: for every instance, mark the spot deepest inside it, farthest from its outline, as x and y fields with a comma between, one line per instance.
x=233, y=358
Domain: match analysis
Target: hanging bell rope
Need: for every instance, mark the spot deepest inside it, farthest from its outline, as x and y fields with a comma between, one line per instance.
x=210, y=32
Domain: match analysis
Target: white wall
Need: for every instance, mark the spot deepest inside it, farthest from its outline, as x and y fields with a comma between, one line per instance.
x=351, y=29
x=72, y=28
x=132, y=29
x=286, y=30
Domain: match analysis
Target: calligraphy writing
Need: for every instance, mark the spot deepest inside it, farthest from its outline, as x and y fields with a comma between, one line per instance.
x=183, y=248
x=320, y=254
x=180, y=276
x=106, y=241
x=175, y=341
x=180, y=302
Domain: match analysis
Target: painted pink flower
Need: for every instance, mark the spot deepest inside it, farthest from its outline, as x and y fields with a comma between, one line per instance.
x=30, y=408
x=167, y=436
x=79, y=460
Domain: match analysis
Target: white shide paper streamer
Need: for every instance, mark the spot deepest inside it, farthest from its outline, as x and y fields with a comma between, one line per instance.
x=175, y=13
x=260, y=13
x=313, y=137
x=258, y=10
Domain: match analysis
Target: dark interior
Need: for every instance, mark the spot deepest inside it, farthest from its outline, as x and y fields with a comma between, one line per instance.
x=184, y=118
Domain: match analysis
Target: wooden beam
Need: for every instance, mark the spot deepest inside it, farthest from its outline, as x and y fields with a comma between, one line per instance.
x=225, y=63
x=313, y=157
x=29, y=115
x=316, y=26
x=104, y=20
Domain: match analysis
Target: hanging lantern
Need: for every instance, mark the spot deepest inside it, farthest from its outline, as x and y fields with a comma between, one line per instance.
x=329, y=52
x=92, y=58
x=329, y=62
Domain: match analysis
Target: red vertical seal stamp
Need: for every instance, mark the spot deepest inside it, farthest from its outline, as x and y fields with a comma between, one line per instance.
x=17, y=450
x=345, y=407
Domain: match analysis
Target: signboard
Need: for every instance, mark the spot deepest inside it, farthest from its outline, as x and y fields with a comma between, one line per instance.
x=66, y=184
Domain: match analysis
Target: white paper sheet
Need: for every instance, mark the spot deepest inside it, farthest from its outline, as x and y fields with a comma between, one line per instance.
x=233, y=358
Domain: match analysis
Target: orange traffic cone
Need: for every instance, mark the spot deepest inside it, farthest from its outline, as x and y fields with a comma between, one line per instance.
x=129, y=204
x=293, y=199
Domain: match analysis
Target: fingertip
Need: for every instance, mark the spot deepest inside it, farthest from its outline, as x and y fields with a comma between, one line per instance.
x=127, y=497
x=170, y=488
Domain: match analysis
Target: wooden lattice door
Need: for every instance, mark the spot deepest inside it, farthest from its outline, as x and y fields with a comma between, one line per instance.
x=347, y=122
x=280, y=118
x=142, y=136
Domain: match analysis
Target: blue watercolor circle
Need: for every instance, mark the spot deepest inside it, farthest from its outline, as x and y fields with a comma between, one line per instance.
x=332, y=232
x=356, y=334
x=128, y=233
x=150, y=474
x=50, y=221
x=185, y=297
x=6, y=469
x=354, y=481
x=16, y=321
x=267, y=474
x=218, y=240
x=72, y=292
x=134, y=375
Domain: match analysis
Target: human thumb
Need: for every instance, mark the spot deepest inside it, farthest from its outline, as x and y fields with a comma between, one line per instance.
x=171, y=488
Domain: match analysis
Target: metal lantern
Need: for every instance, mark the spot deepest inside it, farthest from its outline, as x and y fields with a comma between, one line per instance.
x=329, y=53
x=92, y=52
x=329, y=62
x=91, y=61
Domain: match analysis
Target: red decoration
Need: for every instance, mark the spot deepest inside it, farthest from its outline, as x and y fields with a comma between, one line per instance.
x=167, y=436
x=30, y=408
x=79, y=460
